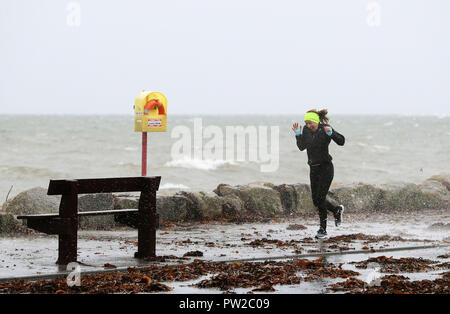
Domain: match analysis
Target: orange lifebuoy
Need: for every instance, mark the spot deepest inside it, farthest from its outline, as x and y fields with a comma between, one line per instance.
x=153, y=104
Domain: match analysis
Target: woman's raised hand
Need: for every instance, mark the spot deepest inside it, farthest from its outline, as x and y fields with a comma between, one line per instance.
x=296, y=126
x=297, y=129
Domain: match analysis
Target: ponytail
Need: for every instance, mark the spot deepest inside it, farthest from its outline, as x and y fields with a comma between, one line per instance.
x=322, y=115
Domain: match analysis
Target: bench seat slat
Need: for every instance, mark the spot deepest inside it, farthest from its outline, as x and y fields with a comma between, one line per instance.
x=38, y=216
x=108, y=212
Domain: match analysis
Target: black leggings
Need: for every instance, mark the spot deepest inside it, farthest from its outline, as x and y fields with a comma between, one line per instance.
x=321, y=177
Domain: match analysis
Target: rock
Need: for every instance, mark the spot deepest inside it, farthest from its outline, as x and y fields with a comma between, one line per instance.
x=259, y=199
x=304, y=198
x=262, y=201
x=232, y=205
x=225, y=189
x=295, y=198
x=172, y=207
x=261, y=183
x=32, y=201
x=408, y=197
x=192, y=212
x=360, y=197
x=437, y=187
x=210, y=205
x=96, y=202
x=8, y=224
x=288, y=197
x=431, y=194
x=125, y=203
x=443, y=178
x=202, y=205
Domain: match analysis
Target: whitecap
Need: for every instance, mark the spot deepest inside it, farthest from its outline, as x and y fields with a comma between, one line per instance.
x=202, y=164
x=167, y=186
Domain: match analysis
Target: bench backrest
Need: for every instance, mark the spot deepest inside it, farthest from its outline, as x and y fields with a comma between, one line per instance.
x=103, y=185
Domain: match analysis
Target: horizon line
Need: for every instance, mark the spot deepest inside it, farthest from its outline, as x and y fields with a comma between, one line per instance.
x=228, y=114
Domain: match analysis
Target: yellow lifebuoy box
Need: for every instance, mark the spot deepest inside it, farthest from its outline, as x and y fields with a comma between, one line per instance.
x=150, y=112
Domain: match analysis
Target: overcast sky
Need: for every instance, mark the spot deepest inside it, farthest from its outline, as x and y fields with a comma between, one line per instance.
x=233, y=56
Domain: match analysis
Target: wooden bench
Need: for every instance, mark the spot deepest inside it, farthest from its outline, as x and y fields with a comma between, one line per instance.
x=65, y=224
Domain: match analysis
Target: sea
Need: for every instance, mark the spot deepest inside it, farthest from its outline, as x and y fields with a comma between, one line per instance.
x=199, y=152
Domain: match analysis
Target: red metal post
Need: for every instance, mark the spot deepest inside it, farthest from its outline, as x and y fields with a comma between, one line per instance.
x=144, y=154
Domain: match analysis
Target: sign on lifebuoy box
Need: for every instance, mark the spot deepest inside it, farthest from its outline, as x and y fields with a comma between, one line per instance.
x=150, y=112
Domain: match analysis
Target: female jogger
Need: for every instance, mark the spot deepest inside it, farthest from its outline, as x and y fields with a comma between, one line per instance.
x=315, y=138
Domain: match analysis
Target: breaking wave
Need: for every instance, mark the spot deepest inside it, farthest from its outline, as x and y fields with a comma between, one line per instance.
x=201, y=164
x=167, y=186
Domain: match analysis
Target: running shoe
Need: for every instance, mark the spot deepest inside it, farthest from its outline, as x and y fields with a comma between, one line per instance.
x=321, y=234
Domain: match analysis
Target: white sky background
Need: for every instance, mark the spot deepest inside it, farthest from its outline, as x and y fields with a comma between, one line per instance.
x=233, y=56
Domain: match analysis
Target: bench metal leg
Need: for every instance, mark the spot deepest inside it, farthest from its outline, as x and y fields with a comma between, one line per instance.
x=67, y=251
x=147, y=225
x=67, y=242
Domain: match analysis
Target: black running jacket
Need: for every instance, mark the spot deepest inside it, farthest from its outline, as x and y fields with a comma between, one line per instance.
x=316, y=143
